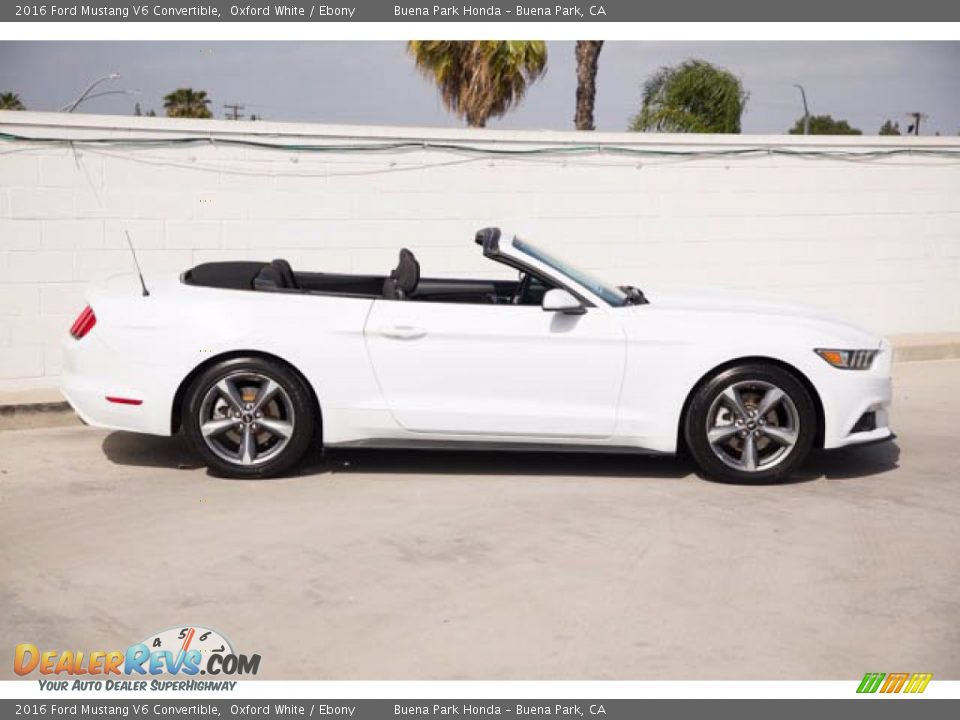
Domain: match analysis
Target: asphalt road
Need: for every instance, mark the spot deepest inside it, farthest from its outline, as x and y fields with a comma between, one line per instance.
x=404, y=565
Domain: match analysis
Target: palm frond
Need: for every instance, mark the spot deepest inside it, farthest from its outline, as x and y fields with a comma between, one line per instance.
x=694, y=96
x=480, y=79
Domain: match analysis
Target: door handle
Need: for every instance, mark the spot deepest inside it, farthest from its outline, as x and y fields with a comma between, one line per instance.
x=403, y=332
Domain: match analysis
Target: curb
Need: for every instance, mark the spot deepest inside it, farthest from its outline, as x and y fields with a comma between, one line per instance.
x=914, y=353
x=36, y=414
x=8, y=411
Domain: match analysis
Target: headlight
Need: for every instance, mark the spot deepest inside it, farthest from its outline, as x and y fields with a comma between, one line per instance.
x=848, y=359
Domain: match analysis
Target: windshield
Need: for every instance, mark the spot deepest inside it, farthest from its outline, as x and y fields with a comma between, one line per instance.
x=609, y=293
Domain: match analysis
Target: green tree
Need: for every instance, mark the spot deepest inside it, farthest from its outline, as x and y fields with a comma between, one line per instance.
x=11, y=101
x=187, y=103
x=480, y=79
x=588, y=54
x=694, y=96
x=890, y=128
x=824, y=125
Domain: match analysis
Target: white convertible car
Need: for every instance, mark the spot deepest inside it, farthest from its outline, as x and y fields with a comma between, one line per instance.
x=255, y=362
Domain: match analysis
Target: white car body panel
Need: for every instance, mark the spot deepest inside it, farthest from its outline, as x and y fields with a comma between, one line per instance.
x=387, y=371
x=510, y=371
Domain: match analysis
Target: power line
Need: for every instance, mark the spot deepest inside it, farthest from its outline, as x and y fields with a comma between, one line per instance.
x=558, y=151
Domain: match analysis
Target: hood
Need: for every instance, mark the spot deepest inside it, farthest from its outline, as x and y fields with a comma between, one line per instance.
x=704, y=300
x=719, y=299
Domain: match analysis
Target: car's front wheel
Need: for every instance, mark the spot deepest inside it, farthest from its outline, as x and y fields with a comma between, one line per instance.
x=751, y=423
x=249, y=417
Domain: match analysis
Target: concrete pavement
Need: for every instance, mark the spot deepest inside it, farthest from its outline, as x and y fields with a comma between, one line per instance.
x=405, y=565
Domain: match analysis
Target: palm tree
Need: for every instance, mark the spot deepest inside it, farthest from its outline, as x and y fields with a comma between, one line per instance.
x=480, y=79
x=11, y=101
x=693, y=96
x=588, y=53
x=187, y=103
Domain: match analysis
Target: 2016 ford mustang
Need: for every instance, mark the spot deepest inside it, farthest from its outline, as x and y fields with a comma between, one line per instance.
x=254, y=362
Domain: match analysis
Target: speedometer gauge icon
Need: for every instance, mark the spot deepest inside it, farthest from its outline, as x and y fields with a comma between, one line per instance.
x=185, y=638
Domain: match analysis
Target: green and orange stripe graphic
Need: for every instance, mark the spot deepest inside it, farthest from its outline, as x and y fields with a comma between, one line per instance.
x=894, y=682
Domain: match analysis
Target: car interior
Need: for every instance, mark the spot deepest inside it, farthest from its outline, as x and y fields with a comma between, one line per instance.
x=403, y=283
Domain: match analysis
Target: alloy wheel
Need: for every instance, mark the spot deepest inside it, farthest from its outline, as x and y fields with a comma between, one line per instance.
x=752, y=425
x=246, y=418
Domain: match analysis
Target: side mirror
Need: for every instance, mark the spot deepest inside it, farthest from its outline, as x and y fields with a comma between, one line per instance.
x=559, y=300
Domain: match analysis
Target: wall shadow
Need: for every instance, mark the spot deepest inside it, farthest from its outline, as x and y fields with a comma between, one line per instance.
x=148, y=451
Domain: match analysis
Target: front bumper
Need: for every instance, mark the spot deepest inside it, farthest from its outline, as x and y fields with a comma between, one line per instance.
x=850, y=394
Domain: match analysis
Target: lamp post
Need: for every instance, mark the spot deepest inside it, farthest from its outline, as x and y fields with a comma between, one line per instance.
x=109, y=92
x=70, y=107
x=806, y=112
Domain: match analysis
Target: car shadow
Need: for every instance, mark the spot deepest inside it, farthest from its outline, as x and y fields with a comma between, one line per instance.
x=148, y=451
x=492, y=462
x=838, y=464
x=854, y=462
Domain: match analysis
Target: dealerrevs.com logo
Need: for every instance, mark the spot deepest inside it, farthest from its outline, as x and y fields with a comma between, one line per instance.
x=177, y=651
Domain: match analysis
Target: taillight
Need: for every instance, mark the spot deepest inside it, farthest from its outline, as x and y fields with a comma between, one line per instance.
x=84, y=323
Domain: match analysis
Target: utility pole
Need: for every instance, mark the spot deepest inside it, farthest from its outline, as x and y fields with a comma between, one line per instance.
x=806, y=112
x=915, y=126
x=233, y=111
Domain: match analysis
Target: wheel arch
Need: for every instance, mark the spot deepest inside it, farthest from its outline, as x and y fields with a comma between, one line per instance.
x=176, y=410
x=747, y=360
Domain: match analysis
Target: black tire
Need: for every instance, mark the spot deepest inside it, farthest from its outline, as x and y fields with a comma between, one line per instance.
x=290, y=407
x=729, y=459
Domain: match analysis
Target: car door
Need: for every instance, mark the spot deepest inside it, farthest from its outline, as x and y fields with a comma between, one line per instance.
x=497, y=370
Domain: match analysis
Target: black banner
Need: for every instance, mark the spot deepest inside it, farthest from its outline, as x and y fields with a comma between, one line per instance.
x=853, y=709
x=481, y=11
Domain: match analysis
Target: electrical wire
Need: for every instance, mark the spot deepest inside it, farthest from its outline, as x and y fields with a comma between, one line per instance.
x=488, y=151
x=221, y=169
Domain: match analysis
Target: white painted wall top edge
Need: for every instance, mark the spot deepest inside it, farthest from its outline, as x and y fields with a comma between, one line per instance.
x=41, y=124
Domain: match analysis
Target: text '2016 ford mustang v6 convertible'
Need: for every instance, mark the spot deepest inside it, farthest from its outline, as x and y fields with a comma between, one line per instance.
x=254, y=361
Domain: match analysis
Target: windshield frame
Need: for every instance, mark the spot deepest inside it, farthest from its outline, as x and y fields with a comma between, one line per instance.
x=607, y=292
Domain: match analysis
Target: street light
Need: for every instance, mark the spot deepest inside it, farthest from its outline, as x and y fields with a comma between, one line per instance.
x=806, y=113
x=111, y=92
x=70, y=107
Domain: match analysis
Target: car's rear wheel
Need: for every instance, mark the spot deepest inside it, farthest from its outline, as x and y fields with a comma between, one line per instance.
x=249, y=417
x=751, y=423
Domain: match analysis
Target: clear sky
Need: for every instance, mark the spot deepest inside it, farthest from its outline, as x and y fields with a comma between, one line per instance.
x=367, y=82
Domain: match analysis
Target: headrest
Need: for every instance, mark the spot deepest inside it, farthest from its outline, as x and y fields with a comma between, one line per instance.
x=407, y=272
x=268, y=278
x=288, y=279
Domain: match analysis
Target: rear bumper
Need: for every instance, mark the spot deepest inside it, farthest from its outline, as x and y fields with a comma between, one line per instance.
x=92, y=372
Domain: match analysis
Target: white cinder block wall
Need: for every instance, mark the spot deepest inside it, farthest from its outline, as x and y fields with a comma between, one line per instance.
x=875, y=240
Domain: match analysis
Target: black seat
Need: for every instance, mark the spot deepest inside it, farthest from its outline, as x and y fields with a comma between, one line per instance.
x=287, y=278
x=403, y=279
x=278, y=275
